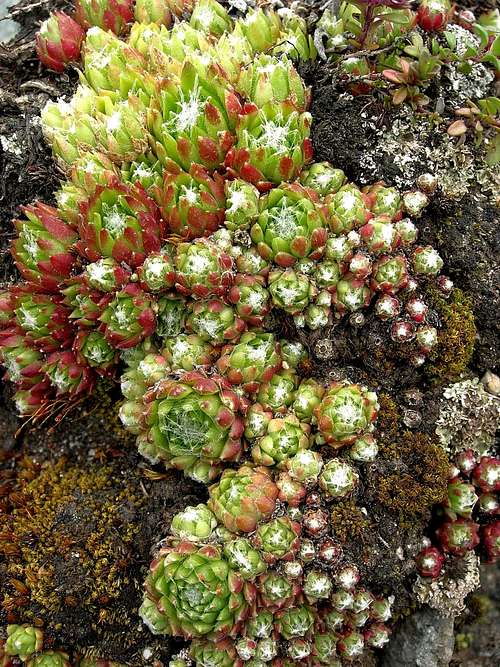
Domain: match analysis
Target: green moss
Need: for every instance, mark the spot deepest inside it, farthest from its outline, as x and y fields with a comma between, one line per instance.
x=417, y=479
x=456, y=337
x=348, y=521
x=416, y=474
x=387, y=421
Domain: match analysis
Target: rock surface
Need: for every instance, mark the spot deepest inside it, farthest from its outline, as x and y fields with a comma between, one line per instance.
x=425, y=639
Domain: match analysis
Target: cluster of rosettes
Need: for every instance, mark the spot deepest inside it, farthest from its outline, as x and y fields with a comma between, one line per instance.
x=470, y=514
x=256, y=577
x=197, y=416
x=26, y=643
x=182, y=148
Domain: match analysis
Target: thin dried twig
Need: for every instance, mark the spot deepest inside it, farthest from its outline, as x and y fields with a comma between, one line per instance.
x=24, y=10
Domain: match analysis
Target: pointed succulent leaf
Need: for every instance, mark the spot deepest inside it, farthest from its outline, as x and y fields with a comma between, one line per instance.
x=107, y=14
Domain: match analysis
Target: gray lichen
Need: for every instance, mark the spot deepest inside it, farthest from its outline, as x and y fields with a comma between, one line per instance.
x=447, y=593
x=468, y=418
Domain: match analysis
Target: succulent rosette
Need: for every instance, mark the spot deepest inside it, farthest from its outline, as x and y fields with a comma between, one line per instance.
x=242, y=555
x=91, y=170
x=194, y=524
x=345, y=413
x=426, y=261
x=190, y=419
x=50, y=659
x=120, y=126
x=23, y=362
x=202, y=269
x=255, y=359
x=23, y=641
x=268, y=79
x=243, y=497
x=348, y=209
x=458, y=537
x=43, y=318
x=193, y=203
x=486, y=475
x=220, y=654
x=338, y=478
x=390, y=274
x=272, y=145
x=289, y=226
x=128, y=318
x=107, y=14
x=157, y=274
x=42, y=250
x=278, y=393
x=67, y=375
x=213, y=320
x=119, y=221
x=284, y=437
x=195, y=593
x=68, y=127
x=433, y=15
x=430, y=562
x=85, y=304
x=242, y=204
x=170, y=315
x=187, y=352
x=277, y=591
x=323, y=178
x=191, y=119
x=295, y=42
x=305, y=466
x=250, y=298
x=307, y=398
x=59, y=40
x=462, y=499
x=91, y=348
x=381, y=236
x=278, y=539
x=291, y=291
x=384, y=201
